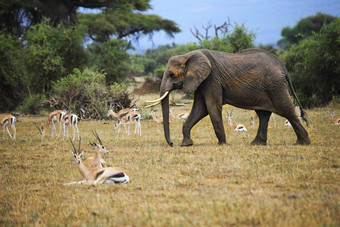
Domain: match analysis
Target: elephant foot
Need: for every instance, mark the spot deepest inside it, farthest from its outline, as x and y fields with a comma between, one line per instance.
x=259, y=142
x=223, y=143
x=187, y=142
x=303, y=142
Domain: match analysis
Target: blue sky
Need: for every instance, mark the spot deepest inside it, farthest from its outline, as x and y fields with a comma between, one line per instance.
x=264, y=17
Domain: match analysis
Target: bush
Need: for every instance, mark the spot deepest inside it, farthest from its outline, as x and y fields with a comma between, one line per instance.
x=85, y=92
x=32, y=104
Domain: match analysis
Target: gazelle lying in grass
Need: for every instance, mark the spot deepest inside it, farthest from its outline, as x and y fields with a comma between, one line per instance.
x=130, y=117
x=8, y=119
x=303, y=117
x=97, y=175
x=71, y=119
x=158, y=120
x=183, y=115
x=54, y=117
x=97, y=160
x=235, y=127
x=335, y=121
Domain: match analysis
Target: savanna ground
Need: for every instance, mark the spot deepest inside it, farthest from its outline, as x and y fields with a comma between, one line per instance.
x=280, y=184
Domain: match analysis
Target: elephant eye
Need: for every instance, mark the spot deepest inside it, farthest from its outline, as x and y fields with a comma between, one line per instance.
x=171, y=74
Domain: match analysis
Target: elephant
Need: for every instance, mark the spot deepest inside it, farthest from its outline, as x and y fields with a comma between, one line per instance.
x=250, y=79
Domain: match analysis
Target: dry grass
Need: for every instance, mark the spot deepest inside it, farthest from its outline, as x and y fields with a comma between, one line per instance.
x=204, y=185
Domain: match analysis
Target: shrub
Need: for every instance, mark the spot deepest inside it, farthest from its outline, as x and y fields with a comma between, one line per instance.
x=85, y=92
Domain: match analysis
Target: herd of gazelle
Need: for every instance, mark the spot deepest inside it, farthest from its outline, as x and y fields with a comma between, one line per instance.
x=93, y=170
x=125, y=117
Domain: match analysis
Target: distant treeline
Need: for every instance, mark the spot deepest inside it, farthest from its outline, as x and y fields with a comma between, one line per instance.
x=40, y=49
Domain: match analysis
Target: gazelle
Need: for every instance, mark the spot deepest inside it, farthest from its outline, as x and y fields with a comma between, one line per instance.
x=71, y=119
x=255, y=118
x=287, y=123
x=54, y=117
x=8, y=119
x=130, y=117
x=120, y=113
x=97, y=160
x=183, y=115
x=238, y=127
x=98, y=175
x=335, y=121
x=158, y=120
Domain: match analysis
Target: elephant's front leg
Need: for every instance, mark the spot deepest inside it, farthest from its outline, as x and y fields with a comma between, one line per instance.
x=198, y=111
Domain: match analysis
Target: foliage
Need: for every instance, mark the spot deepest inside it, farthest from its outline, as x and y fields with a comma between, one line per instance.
x=304, y=28
x=111, y=57
x=31, y=104
x=51, y=53
x=11, y=71
x=122, y=20
x=85, y=93
x=314, y=65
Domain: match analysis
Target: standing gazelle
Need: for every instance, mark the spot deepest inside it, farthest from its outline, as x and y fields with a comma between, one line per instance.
x=8, y=119
x=130, y=117
x=71, y=119
x=238, y=127
x=96, y=161
x=98, y=175
x=54, y=117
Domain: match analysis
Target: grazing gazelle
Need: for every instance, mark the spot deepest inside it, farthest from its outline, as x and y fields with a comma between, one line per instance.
x=120, y=113
x=8, y=119
x=98, y=175
x=335, y=121
x=130, y=117
x=54, y=117
x=183, y=115
x=238, y=127
x=71, y=119
x=97, y=160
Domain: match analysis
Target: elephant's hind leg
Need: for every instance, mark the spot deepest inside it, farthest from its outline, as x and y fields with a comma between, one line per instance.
x=261, y=137
x=300, y=131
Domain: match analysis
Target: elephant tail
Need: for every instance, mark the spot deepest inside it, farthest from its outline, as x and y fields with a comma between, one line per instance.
x=303, y=115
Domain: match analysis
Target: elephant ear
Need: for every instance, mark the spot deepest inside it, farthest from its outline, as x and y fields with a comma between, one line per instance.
x=198, y=68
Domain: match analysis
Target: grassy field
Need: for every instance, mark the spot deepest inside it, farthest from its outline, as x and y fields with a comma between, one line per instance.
x=280, y=184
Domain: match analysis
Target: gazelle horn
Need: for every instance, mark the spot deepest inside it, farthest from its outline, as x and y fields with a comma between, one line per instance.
x=161, y=98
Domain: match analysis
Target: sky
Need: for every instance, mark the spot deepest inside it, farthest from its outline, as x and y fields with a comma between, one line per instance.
x=266, y=18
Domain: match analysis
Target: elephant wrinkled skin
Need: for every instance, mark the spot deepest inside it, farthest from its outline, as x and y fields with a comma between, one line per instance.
x=251, y=79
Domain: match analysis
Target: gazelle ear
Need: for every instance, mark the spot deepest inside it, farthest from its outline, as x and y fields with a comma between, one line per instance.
x=81, y=153
x=93, y=144
x=74, y=155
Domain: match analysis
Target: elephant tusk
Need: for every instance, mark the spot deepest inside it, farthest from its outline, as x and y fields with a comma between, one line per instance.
x=161, y=98
x=153, y=104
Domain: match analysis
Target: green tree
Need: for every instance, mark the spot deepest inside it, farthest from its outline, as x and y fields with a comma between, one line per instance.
x=111, y=57
x=51, y=53
x=303, y=29
x=11, y=71
x=314, y=65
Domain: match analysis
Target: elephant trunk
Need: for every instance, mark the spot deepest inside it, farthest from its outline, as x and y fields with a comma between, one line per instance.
x=165, y=111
